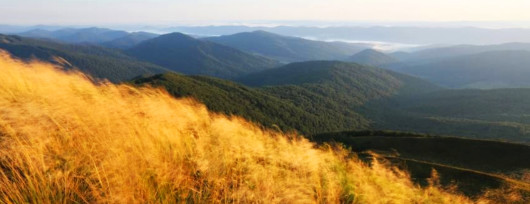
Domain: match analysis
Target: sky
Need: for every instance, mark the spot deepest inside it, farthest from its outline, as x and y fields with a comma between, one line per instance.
x=108, y=12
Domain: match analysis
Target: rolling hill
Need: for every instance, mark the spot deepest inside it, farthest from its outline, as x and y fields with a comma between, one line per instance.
x=130, y=40
x=349, y=80
x=457, y=50
x=373, y=58
x=96, y=61
x=187, y=55
x=495, y=69
x=77, y=35
x=287, y=49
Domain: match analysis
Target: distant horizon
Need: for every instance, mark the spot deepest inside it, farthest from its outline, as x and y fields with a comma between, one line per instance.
x=162, y=28
x=420, y=34
x=294, y=23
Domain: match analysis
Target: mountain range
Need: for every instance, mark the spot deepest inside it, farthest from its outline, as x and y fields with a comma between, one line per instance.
x=188, y=55
x=73, y=35
x=288, y=49
x=411, y=35
x=318, y=92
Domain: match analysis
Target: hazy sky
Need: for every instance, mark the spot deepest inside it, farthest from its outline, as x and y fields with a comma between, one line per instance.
x=101, y=12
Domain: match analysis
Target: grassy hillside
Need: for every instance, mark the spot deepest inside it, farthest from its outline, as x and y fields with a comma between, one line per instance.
x=74, y=141
x=187, y=55
x=96, y=61
x=474, y=165
x=285, y=48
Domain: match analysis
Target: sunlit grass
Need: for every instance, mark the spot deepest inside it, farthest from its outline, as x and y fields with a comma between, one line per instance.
x=66, y=140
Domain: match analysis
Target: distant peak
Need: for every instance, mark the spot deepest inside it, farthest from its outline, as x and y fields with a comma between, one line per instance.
x=262, y=32
x=370, y=50
x=373, y=58
x=176, y=35
x=94, y=29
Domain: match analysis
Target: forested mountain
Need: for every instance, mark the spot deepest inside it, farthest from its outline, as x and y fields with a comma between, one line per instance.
x=96, y=61
x=334, y=90
x=130, y=40
x=184, y=54
x=287, y=49
x=373, y=58
x=325, y=96
x=352, y=79
x=495, y=69
x=312, y=97
x=77, y=35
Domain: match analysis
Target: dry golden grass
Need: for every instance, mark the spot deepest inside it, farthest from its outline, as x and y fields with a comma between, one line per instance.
x=64, y=139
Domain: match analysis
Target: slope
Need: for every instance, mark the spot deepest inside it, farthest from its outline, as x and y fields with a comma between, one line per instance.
x=334, y=90
x=474, y=165
x=342, y=81
x=75, y=141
